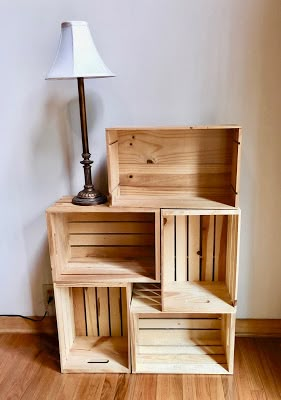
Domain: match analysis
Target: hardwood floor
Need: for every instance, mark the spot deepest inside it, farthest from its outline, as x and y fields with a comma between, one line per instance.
x=29, y=369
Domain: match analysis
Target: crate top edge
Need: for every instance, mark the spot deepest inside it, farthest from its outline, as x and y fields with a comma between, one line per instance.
x=184, y=211
x=191, y=127
x=72, y=283
x=64, y=205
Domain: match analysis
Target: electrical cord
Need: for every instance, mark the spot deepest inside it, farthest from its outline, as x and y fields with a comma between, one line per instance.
x=24, y=317
x=50, y=299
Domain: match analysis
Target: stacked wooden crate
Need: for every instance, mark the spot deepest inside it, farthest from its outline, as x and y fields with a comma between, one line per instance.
x=174, y=186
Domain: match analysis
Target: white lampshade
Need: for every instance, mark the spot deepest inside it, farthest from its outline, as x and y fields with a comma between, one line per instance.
x=77, y=56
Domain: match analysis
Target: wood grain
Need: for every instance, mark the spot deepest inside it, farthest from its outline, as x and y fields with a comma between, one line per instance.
x=196, y=159
x=256, y=375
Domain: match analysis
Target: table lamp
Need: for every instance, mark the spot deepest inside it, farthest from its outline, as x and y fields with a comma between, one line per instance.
x=77, y=57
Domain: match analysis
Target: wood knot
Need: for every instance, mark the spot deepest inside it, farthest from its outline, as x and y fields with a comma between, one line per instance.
x=149, y=162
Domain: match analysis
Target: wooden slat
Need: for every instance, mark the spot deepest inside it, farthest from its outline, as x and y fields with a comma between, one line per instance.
x=181, y=368
x=115, y=315
x=167, y=359
x=103, y=312
x=125, y=252
x=110, y=227
x=228, y=336
x=134, y=339
x=175, y=147
x=157, y=245
x=173, y=179
x=113, y=166
x=103, y=266
x=109, y=240
x=192, y=212
x=79, y=311
x=124, y=308
x=236, y=160
x=235, y=257
x=181, y=248
x=91, y=311
x=179, y=323
x=233, y=239
x=174, y=349
x=180, y=337
x=168, y=249
x=174, y=169
x=194, y=248
x=220, y=247
x=207, y=247
x=112, y=214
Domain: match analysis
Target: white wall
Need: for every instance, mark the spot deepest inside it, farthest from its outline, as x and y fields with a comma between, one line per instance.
x=177, y=62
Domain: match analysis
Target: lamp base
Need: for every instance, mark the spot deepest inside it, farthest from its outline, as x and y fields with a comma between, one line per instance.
x=89, y=197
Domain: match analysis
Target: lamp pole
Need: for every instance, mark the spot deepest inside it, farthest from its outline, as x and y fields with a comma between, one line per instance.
x=88, y=196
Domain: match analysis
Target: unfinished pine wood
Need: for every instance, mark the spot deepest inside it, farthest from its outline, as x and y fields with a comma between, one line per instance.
x=79, y=311
x=152, y=166
x=103, y=311
x=181, y=248
x=197, y=297
x=93, y=328
x=91, y=311
x=207, y=225
x=220, y=247
x=115, y=311
x=200, y=260
x=193, y=248
x=104, y=243
x=236, y=160
x=112, y=164
x=168, y=256
x=166, y=342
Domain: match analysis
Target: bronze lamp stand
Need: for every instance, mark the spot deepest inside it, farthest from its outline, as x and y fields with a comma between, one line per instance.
x=89, y=195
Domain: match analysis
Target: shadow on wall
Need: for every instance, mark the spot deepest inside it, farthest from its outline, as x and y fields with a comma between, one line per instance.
x=54, y=150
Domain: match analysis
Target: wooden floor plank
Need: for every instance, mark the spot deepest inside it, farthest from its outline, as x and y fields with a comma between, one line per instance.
x=109, y=387
x=169, y=387
x=30, y=370
x=90, y=387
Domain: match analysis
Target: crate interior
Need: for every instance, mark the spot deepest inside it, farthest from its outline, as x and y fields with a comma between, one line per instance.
x=93, y=329
x=118, y=246
x=174, y=167
x=178, y=342
x=199, y=271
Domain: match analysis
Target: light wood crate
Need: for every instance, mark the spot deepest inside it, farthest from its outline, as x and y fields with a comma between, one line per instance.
x=164, y=342
x=186, y=167
x=101, y=243
x=199, y=251
x=93, y=328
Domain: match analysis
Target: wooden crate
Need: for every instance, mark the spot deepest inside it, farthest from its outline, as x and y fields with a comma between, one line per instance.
x=89, y=244
x=93, y=328
x=200, y=260
x=164, y=342
x=187, y=167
